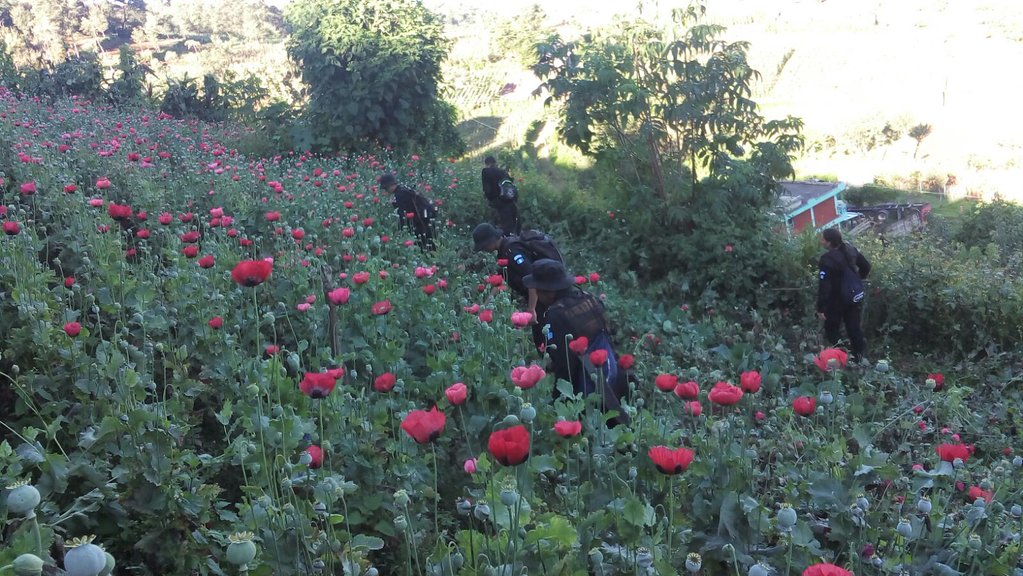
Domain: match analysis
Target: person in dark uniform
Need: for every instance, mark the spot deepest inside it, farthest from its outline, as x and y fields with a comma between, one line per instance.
x=414, y=210
x=507, y=211
x=487, y=238
x=841, y=258
x=572, y=311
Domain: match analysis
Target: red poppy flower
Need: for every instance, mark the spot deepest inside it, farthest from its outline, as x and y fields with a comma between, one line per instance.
x=70, y=188
x=273, y=216
x=385, y=382
x=316, y=453
x=670, y=461
x=579, y=345
x=207, y=261
x=510, y=446
x=28, y=188
x=825, y=569
x=252, y=272
x=568, y=428
x=487, y=316
x=165, y=218
x=495, y=280
x=666, y=382
x=190, y=251
x=527, y=376
x=949, y=452
x=298, y=234
x=457, y=393
x=598, y=357
x=687, y=390
x=72, y=329
x=423, y=426
x=69, y=281
x=824, y=359
x=429, y=289
x=119, y=211
x=216, y=322
x=190, y=237
x=339, y=296
x=502, y=262
x=725, y=394
x=12, y=228
x=804, y=405
x=521, y=319
x=360, y=277
x=694, y=408
x=382, y=307
x=318, y=384
x=103, y=183
x=750, y=381
x=939, y=380
x=594, y=277
x=978, y=492
x=626, y=361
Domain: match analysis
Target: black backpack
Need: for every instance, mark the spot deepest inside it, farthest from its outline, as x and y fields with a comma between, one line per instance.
x=852, y=288
x=540, y=245
x=508, y=192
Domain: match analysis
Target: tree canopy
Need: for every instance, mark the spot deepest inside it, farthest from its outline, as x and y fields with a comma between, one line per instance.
x=674, y=103
x=373, y=69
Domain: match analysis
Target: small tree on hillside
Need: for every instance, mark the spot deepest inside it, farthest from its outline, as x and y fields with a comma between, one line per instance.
x=372, y=68
x=675, y=102
x=918, y=133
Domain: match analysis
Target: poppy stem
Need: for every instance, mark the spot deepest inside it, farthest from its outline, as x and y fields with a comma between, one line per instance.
x=436, y=495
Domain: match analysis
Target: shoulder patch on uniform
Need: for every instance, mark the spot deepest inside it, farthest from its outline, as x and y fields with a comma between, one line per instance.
x=519, y=258
x=823, y=274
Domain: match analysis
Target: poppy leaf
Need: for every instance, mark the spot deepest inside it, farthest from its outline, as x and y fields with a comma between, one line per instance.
x=367, y=542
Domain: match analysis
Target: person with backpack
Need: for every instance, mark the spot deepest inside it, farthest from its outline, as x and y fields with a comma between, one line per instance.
x=575, y=326
x=415, y=211
x=840, y=293
x=520, y=251
x=501, y=193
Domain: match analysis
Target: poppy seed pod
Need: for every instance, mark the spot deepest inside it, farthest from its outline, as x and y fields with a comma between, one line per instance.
x=241, y=550
x=904, y=528
x=84, y=558
x=786, y=517
x=23, y=499
x=28, y=565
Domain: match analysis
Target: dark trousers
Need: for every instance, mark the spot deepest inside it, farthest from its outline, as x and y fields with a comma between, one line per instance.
x=507, y=216
x=851, y=317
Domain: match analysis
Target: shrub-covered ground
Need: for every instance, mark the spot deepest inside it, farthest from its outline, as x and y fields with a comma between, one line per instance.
x=352, y=409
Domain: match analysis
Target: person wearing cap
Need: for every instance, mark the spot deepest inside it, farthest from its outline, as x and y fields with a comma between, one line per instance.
x=577, y=313
x=414, y=210
x=507, y=211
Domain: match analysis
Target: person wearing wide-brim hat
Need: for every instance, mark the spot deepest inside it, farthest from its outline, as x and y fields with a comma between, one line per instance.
x=413, y=209
x=577, y=313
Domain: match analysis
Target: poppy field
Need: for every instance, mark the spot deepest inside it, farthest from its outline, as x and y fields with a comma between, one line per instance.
x=213, y=364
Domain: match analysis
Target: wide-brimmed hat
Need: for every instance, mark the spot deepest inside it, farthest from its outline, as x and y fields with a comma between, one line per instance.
x=387, y=179
x=484, y=236
x=548, y=275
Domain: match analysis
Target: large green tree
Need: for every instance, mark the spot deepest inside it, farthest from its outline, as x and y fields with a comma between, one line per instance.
x=670, y=102
x=372, y=68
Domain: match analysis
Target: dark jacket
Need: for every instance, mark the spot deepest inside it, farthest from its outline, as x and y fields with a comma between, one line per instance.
x=415, y=211
x=580, y=314
x=520, y=262
x=845, y=259
x=492, y=176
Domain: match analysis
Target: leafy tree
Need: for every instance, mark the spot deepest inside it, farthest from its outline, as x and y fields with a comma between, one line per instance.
x=372, y=68
x=674, y=105
x=518, y=36
x=918, y=133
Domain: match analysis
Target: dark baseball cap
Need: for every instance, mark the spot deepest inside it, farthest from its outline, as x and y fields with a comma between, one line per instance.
x=484, y=236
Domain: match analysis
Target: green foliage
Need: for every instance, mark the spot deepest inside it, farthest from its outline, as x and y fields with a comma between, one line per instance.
x=518, y=36
x=80, y=75
x=128, y=88
x=675, y=102
x=372, y=69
